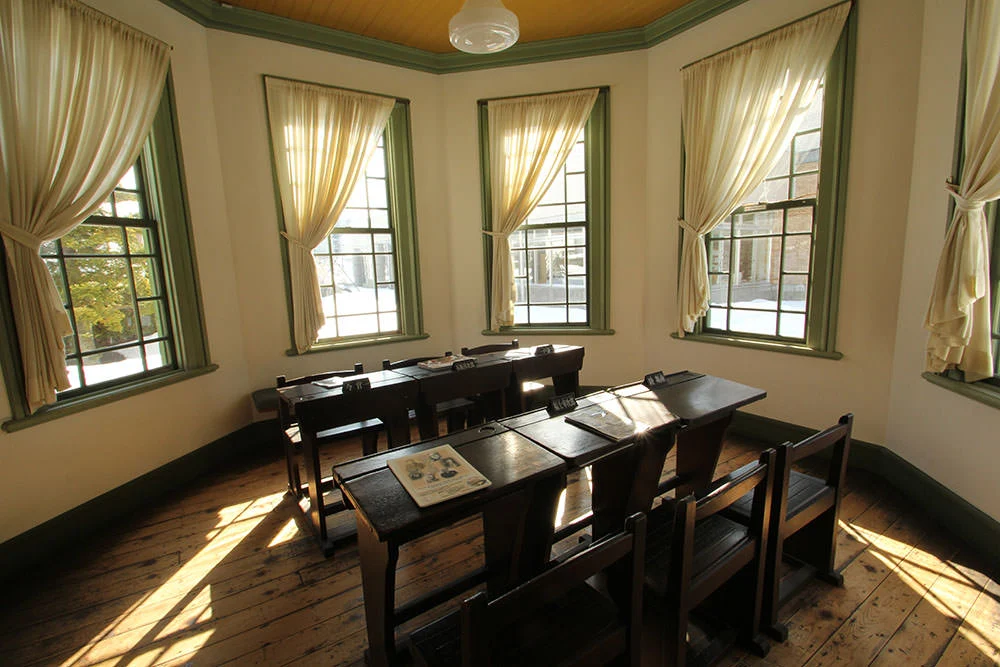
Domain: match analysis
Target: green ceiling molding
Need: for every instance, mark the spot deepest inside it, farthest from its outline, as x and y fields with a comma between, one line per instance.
x=211, y=14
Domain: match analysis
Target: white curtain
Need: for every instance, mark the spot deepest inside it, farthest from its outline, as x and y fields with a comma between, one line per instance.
x=322, y=139
x=958, y=316
x=530, y=139
x=78, y=93
x=740, y=108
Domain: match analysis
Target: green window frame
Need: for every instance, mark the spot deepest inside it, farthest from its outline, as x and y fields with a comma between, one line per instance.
x=594, y=277
x=827, y=210
x=167, y=250
x=396, y=235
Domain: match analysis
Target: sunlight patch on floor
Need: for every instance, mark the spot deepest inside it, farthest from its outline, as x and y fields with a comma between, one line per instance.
x=285, y=534
x=147, y=632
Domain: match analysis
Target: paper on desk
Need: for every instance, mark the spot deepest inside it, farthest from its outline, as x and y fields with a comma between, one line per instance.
x=435, y=475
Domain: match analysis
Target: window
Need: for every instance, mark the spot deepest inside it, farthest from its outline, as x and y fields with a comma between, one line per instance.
x=774, y=264
x=109, y=273
x=559, y=254
x=367, y=266
x=128, y=282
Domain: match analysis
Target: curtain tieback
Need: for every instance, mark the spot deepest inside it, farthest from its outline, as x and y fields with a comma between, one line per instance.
x=495, y=234
x=686, y=226
x=27, y=239
x=295, y=242
x=961, y=203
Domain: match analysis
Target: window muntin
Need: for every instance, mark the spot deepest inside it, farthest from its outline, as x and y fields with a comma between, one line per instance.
x=109, y=273
x=760, y=260
x=549, y=251
x=356, y=263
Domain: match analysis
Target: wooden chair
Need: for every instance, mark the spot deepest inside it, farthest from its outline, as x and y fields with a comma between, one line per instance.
x=804, y=520
x=457, y=412
x=693, y=551
x=292, y=440
x=530, y=390
x=555, y=618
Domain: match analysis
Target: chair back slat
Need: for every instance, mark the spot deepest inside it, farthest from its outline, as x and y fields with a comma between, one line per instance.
x=732, y=490
x=825, y=439
x=283, y=381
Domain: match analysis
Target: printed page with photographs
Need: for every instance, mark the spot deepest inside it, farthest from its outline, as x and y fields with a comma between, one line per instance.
x=435, y=475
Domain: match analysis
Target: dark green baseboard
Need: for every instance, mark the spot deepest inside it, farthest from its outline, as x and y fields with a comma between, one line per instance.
x=49, y=540
x=957, y=515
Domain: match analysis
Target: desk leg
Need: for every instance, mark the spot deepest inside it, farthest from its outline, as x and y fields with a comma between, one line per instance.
x=503, y=526
x=698, y=452
x=398, y=429
x=539, y=527
x=567, y=383
x=378, y=581
x=426, y=421
x=613, y=477
x=514, y=398
x=314, y=478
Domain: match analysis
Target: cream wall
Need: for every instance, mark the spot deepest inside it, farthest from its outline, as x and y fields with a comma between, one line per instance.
x=609, y=359
x=238, y=64
x=950, y=437
x=53, y=467
x=803, y=390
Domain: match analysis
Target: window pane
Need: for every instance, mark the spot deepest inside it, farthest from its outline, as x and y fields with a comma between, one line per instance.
x=576, y=261
x=139, y=241
x=577, y=289
x=794, y=291
x=546, y=238
x=112, y=365
x=352, y=218
x=127, y=205
x=378, y=197
x=357, y=325
x=94, y=240
x=152, y=318
x=324, y=270
x=753, y=321
x=755, y=283
x=797, y=253
x=73, y=371
x=807, y=152
x=576, y=236
x=805, y=186
x=776, y=190
x=350, y=243
x=718, y=256
x=355, y=281
x=576, y=213
x=575, y=162
x=383, y=242
x=521, y=291
x=556, y=194
x=519, y=263
x=783, y=165
x=577, y=314
x=376, y=164
x=576, y=188
x=388, y=322
x=516, y=239
x=386, y=297
x=793, y=325
x=379, y=218
x=158, y=355
x=723, y=230
x=547, y=276
x=384, y=270
x=717, y=318
x=128, y=180
x=143, y=273
x=757, y=223
x=719, y=288
x=543, y=215
x=800, y=219
x=547, y=314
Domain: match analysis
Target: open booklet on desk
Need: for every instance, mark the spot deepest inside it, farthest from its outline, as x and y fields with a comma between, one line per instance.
x=623, y=417
x=435, y=475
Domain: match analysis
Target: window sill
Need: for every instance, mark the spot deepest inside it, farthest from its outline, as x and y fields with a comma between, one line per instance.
x=549, y=331
x=103, y=397
x=977, y=391
x=347, y=343
x=768, y=346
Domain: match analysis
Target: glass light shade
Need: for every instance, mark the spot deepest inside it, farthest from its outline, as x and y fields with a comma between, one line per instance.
x=483, y=26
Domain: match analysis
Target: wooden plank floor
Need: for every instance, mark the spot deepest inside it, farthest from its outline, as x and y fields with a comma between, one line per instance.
x=224, y=572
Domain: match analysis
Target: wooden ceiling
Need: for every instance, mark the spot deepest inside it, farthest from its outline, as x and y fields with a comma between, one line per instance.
x=423, y=24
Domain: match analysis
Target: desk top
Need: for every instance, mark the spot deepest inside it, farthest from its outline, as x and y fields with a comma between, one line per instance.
x=509, y=460
x=309, y=391
x=577, y=446
x=698, y=399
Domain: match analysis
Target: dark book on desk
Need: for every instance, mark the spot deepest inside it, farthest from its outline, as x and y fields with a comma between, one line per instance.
x=623, y=418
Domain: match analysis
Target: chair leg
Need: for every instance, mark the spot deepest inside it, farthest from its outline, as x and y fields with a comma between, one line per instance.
x=816, y=545
x=675, y=636
x=292, y=469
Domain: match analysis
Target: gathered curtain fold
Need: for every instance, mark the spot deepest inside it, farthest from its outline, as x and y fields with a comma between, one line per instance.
x=530, y=140
x=78, y=94
x=958, y=315
x=322, y=138
x=739, y=110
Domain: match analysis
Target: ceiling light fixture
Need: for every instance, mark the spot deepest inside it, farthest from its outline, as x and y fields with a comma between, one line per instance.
x=483, y=26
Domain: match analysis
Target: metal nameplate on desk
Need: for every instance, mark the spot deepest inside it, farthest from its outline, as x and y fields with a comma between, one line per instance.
x=542, y=350
x=659, y=379
x=358, y=384
x=561, y=403
x=463, y=364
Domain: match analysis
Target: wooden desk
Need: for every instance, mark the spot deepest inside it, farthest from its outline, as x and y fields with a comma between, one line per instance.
x=489, y=378
x=319, y=408
x=563, y=365
x=705, y=404
x=518, y=512
x=625, y=475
